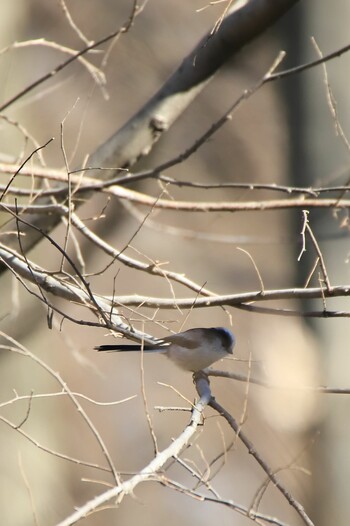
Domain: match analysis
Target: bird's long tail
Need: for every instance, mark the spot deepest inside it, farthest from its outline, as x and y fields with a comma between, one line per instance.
x=136, y=347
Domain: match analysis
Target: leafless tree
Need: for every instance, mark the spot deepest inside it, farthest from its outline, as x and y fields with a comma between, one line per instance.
x=184, y=216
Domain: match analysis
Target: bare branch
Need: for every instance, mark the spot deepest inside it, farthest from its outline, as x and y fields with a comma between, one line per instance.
x=76, y=56
x=137, y=137
x=150, y=471
x=252, y=451
x=268, y=385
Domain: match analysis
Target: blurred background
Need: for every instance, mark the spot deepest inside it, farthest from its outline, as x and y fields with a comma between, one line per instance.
x=284, y=134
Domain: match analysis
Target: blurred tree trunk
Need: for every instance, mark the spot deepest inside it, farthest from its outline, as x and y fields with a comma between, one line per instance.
x=317, y=155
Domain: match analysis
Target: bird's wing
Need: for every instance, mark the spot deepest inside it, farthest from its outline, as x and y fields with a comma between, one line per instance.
x=187, y=341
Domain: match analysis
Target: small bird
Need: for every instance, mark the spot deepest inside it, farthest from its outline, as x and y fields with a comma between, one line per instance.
x=192, y=350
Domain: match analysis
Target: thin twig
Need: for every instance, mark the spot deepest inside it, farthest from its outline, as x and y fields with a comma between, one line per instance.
x=75, y=56
x=320, y=257
x=29, y=490
x=21, y=166
x=25, y=352
x=267, y=385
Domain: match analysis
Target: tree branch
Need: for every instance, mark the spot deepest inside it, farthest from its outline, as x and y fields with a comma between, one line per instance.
x=137, y=137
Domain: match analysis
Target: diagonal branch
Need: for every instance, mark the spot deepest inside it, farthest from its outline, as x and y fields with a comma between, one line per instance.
x=252, y=451
x=137, y=137
x=150, y=471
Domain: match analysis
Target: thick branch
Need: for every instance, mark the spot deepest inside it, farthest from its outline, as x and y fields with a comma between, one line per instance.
x=136, y=138
x=150, y=471
x=246, y=21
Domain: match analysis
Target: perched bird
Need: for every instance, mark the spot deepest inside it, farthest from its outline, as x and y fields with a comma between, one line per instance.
x=192, y=350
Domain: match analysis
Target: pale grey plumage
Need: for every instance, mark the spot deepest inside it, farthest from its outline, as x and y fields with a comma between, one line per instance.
x=192, y=350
